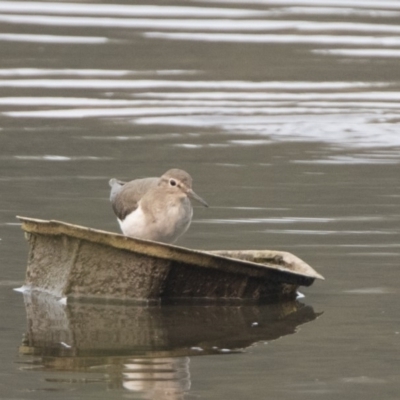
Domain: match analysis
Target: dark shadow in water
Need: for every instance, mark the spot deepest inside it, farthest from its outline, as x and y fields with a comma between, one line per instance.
x=145, y=348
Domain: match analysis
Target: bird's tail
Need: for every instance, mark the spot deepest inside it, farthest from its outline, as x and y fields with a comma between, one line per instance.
x=116, y=186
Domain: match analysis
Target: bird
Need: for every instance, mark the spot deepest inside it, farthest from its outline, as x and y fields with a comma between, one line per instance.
x=157, y=209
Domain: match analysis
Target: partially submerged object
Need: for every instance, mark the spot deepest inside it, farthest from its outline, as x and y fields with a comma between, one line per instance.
x=77, y=262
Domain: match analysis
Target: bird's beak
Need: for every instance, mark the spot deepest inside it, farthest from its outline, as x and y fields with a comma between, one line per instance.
x=196, y=197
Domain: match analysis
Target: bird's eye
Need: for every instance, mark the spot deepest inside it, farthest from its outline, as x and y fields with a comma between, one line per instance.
x=172, y=182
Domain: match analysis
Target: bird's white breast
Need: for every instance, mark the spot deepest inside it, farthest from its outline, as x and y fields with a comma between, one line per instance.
x=134, y=224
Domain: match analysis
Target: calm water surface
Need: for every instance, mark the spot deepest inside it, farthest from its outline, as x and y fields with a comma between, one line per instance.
x=286, y=114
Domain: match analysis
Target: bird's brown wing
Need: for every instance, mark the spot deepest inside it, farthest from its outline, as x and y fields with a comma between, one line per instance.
x=126, y=199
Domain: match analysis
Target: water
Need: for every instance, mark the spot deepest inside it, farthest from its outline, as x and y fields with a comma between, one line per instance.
x=286, y=115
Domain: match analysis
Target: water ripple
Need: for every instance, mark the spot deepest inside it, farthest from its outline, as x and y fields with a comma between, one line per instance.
x=31, y=38
x=180, y=84
x=18, y=72
x=271, y=38
x=380, y=53
x=123, y=10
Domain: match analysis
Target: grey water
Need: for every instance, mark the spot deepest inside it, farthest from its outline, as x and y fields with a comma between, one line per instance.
x=285, y=113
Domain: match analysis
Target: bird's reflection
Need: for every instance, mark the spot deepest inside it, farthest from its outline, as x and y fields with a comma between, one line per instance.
x=146, y=349
x=157, y=378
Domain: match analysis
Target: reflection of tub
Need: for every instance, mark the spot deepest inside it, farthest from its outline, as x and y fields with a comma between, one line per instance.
x=141, y=348
x=73, y=261
x=79, y=331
